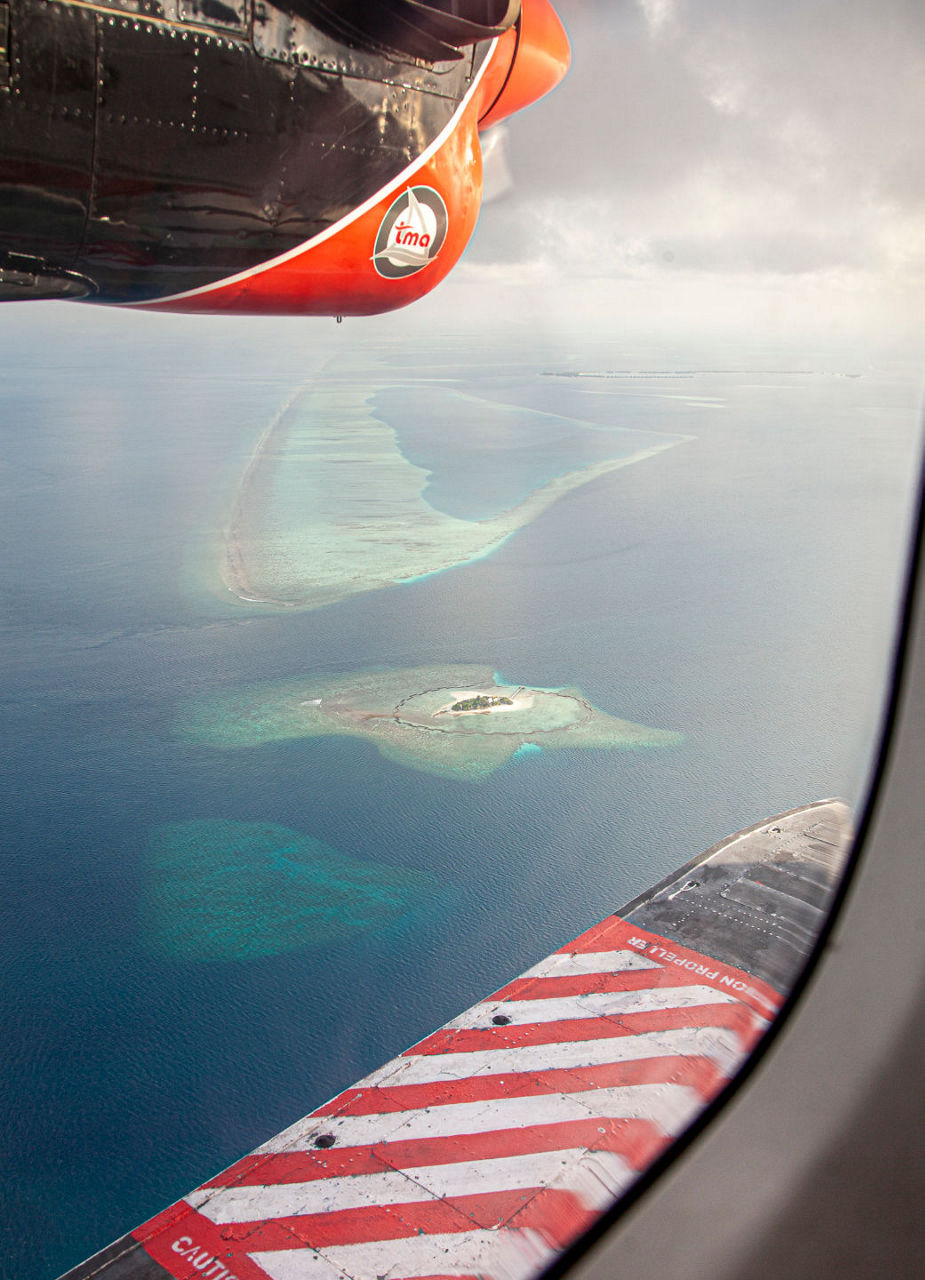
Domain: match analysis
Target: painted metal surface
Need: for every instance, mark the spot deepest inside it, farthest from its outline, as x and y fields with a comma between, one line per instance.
x=496, y=1142
x=758, y=898
x=159, y=148
x=335, y=272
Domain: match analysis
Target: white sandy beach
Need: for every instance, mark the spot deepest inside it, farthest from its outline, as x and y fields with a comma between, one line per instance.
x=519, y=702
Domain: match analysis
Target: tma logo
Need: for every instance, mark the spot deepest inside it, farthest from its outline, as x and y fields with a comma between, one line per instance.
x=411, y=234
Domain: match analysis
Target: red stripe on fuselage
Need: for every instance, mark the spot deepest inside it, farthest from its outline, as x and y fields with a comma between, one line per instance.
x=735, y=1017
x=582, y=984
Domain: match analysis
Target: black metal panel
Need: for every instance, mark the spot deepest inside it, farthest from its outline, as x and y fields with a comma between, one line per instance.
x=188, y=162
x=211, y=159
x=228, y=15
x=757, y=900
x=168, y=10
x=46, y=130
x=431, y=30
x=173, y=196
x=347, y=138
x=282, y=34
x=123, y=1260
x=154, y=157
x=4, y=46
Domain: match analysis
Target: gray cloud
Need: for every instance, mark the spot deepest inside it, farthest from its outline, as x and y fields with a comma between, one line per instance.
x=723, y=136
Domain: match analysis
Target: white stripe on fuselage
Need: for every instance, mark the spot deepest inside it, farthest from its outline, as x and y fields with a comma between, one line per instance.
x=667, y=1106
x=484, y=1253
x=407, y=1186
x=719, y=1044
x=595, y=1004
x=566, y=964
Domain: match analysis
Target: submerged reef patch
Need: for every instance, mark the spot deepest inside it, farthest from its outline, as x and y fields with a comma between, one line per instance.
x=219, y=890
x=409, y=715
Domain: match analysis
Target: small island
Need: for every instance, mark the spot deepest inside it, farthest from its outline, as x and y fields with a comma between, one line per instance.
x=460, y=721
x=481, y=702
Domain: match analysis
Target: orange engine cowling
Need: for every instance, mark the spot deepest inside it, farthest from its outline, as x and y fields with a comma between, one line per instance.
x=531, y=59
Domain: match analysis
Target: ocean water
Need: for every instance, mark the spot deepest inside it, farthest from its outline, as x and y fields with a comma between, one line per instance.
x=738, y=590
x=483, y=456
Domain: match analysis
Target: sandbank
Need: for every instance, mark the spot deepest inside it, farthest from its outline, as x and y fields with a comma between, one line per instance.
x=329, y=507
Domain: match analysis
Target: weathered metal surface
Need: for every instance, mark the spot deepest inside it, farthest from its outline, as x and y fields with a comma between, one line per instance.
x=243, y=155
x=157, y=148
x=497, y=1141
x=756, y=899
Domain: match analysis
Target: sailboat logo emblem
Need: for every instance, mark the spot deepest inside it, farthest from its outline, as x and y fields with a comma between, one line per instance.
x=411, y=234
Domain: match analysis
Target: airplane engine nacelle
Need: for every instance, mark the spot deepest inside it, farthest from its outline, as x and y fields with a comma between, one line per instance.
x=383, y=255
x=320, y=157
x=399, y=246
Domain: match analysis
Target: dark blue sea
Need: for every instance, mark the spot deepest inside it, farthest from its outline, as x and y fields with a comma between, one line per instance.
x=739, y=588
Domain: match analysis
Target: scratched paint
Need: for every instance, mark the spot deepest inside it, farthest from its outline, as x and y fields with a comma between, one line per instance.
x=492, y=1144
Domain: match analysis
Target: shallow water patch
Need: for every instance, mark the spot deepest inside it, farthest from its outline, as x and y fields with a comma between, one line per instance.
x=221, y=890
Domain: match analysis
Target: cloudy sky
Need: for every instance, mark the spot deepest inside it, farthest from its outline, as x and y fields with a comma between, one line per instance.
x=720, y=163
